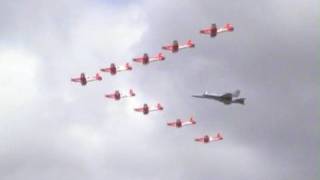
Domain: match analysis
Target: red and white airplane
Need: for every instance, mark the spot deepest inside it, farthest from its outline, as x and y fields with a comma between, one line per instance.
x=117, y=96
x=178, y=123
x=83, y=80
x=146, y=109
x=113, y=69
x=213, y=30
x=174, y=47
x=206, y=138
x=145, y=59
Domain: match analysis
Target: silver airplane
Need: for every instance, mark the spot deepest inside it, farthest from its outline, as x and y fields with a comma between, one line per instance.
x=227, y=98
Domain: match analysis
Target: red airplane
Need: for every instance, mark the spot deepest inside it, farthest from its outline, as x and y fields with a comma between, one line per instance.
x=213, y=30
x=178, y=123
x=206, y=139
x=174, y=47
x=117, y=96
x=113, y=69
x=145, y=109
x=145, y=59
x=83, y=79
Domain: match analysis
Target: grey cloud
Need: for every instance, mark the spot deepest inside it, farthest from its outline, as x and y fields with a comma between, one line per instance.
x=271, y=57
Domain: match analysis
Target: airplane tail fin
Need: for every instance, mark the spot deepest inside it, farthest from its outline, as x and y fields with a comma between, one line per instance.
x=131, y=92
x=192, y=120
x=240, y=101
x=159, y=107
x=219, y=136
x=190, y=43
x=128, y=66
x=229, y=27
x=98, y=77
x=160, y=56
x=236, y=93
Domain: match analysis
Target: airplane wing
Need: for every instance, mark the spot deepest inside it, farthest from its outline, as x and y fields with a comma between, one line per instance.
x=184, y=46
x=97, y=77
x=91, y=79
x=185, y=123
x=121, y=68
x=158, y=57
x=236, y=93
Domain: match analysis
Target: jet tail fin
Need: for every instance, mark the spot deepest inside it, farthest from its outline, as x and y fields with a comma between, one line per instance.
x=132, y=93
x=236, y=93
x=192, y=120
x=98, y=77
x=159, y=107
x=219, y=136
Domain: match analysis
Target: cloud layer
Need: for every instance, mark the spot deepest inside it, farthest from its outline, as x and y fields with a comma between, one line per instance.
x=53, y=129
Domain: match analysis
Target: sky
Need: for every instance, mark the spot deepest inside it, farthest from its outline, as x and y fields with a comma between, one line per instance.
x=51, y=128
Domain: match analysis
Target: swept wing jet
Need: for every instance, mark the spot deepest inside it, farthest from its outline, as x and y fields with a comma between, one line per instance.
x=227, y=98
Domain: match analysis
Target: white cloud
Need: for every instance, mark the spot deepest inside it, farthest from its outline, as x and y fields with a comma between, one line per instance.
x=18, y=71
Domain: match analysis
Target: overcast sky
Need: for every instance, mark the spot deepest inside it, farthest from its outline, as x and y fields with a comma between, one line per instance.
x=53, y=129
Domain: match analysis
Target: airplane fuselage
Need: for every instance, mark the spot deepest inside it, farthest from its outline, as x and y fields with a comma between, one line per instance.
x=225, y=100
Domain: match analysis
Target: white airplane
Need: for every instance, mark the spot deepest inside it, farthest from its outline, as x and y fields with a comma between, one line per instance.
x=179, y=123
x=213, y=30
x=175, y=46
x=207, y=139
x=227, y=98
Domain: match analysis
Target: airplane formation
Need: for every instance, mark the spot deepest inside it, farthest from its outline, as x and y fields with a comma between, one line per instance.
x=226, y=98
